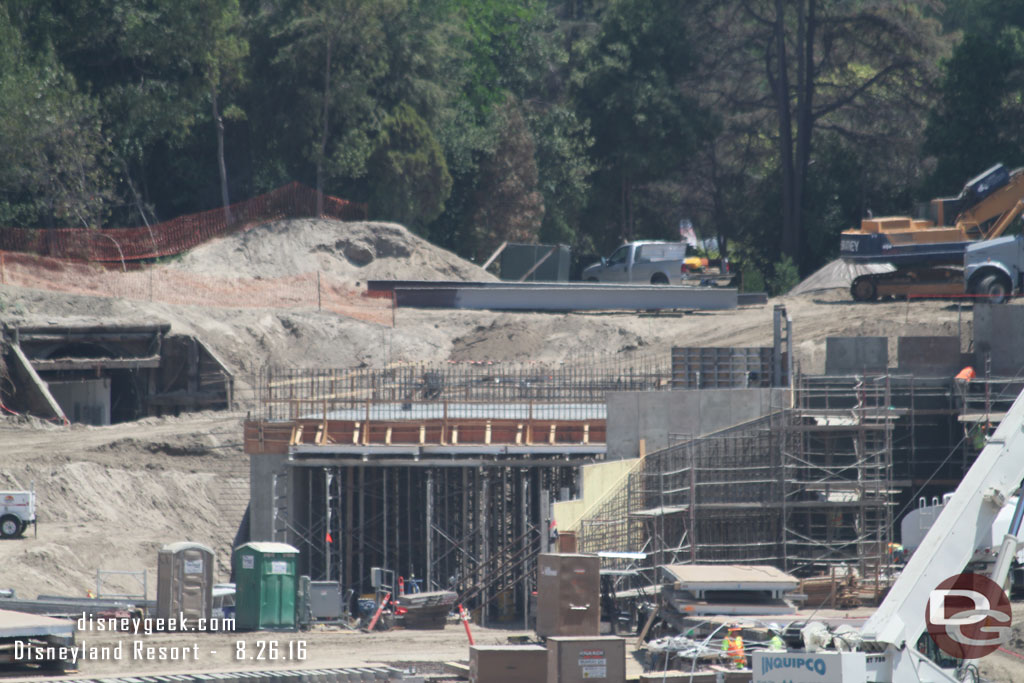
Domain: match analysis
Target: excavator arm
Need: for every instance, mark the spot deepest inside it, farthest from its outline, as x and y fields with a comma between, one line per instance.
x=1002, y=206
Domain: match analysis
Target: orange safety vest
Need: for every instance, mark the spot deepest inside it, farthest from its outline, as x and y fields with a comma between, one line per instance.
x=736, y=651
x=966, y=374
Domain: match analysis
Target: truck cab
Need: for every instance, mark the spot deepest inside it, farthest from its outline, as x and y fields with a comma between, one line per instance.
x=647, y=262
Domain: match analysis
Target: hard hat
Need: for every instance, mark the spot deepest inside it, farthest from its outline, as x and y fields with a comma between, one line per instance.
x=774, y=628
x=735, y=627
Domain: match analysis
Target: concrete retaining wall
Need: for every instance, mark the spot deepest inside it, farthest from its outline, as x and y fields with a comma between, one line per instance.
x=856, y=355
x=656, y=415
x=998, y=329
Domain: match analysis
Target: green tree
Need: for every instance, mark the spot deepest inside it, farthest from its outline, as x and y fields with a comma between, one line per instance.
x=223, y=69
x=507, y=205
x=976, y=121
x=814, y=66
x=151, y=66
x=53, y=153
x=407, y=173
x=635, y=91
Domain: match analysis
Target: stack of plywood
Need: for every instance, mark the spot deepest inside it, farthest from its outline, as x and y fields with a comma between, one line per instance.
x=425, y=610
x=838, y=590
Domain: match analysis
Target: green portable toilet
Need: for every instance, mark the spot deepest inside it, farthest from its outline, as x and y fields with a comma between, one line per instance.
x=265, y=586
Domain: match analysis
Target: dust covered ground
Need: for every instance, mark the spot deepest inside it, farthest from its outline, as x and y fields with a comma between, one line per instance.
x=110, y=497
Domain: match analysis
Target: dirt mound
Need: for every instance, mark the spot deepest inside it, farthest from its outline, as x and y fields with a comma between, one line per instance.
x=352, y=251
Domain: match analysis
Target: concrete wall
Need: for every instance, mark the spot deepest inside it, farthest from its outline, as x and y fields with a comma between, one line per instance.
x=262, y=468
x=655, y=415
x=998, y=329
x=856, y=355
x=84, y=401
x=929, y=356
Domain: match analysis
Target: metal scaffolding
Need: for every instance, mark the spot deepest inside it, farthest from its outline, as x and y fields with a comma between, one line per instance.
x=838, y=491
x=806, y=488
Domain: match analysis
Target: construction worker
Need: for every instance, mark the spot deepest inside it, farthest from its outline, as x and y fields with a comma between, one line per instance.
x=732, y=645
x=962, y=380
x=775, y=643
x=897, y=554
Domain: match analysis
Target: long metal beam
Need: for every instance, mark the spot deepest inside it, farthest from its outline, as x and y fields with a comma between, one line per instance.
x=479, y=455
x=446, y=462
x=547, y=296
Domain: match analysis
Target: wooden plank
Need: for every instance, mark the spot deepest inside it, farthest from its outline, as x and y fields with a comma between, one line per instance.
x=497, y=252
x=538, y=264
x=648, y=623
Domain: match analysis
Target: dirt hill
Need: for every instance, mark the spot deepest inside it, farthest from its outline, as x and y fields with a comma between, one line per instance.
x=355, y=251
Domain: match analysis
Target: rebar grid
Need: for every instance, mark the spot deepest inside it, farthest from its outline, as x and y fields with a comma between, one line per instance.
x=568, y=390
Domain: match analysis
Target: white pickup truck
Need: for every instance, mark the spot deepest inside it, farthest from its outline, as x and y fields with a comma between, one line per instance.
x=17, y=511
x=657, y=263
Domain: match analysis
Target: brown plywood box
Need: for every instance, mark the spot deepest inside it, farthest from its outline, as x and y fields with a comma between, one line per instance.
x=582, y=660
x=568, y=595
x=507, y=663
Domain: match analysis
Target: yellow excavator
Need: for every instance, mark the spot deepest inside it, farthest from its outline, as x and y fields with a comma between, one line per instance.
x=928, y=254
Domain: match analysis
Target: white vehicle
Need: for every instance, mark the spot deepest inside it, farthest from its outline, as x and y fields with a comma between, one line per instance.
x=223, y=601
x=884, y=649
x=656, y=263
x=986, y=545
x=17, y=511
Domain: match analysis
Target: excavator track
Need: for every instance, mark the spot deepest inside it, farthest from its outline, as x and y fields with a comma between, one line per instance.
x=939, y=282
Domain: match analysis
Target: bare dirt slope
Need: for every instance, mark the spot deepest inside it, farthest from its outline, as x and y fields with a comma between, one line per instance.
x=110, y=497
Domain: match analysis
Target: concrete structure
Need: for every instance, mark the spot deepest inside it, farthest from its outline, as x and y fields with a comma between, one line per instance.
x=664, y=418
x=104, y=374
x=856, y=355
x=85, y=401
x=929, y=356
x=998, y=329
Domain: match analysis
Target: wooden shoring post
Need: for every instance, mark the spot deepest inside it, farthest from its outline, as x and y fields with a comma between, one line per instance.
x=444, y=422
x=366, y=427
x=529, y=424
x=323, y=433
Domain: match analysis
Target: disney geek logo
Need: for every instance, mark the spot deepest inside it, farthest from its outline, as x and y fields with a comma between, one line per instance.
x=968, y=616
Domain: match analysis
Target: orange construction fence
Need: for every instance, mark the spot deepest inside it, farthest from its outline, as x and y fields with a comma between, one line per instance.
x=114, y=245
x=171, y=285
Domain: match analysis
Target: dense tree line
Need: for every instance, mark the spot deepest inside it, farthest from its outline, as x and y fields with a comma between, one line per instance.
x=771, y=124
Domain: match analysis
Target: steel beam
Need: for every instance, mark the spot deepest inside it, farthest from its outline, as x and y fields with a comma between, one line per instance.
x=528, y=296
